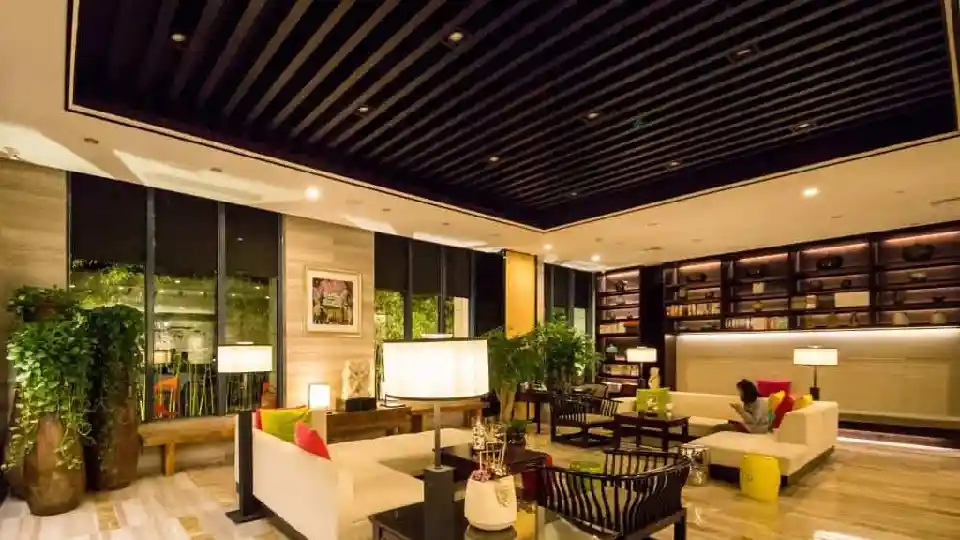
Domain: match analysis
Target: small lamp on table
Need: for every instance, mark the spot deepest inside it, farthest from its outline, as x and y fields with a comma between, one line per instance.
x=642, y=355
x=318, y=396
x=436, y=371
x=245, y=359
x=816, y=357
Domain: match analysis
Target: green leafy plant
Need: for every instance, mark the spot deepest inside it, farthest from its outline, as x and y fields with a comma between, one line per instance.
x=52, y=360
x=512, y=360
x=37, y=303
x=566, y=353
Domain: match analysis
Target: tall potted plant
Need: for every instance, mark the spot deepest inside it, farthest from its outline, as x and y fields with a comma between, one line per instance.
x=113, y=447
x=566, y=354
x=512, y=361
x=52, y=359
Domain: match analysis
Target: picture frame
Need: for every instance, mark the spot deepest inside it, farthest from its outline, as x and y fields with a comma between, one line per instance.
x=334, y=299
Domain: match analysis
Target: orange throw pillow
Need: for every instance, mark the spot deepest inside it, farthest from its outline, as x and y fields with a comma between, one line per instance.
x=310, y=440
x=785, y=406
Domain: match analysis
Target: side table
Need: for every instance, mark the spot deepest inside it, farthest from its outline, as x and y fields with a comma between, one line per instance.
x=537, y=398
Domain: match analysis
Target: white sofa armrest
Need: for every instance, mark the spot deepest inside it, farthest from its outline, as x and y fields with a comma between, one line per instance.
x=814, y=426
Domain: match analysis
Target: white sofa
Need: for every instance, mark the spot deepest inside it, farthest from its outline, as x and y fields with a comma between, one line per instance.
x=332, y=499
x=802, y=438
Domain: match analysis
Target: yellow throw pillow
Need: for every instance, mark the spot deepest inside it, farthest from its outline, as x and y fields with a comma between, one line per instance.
x=281, y=423
x=803, y=401
x=775, y=399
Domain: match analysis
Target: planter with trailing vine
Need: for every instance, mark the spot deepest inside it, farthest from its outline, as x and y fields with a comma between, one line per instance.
x=113, y=447
x=52, y=360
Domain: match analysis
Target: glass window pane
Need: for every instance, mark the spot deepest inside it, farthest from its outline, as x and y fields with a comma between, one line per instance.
x=388, y=324
x=457, y=316
x=252, y=272
x=390, y=262
x=185, y=376
x=426, y=317
x=426, y=268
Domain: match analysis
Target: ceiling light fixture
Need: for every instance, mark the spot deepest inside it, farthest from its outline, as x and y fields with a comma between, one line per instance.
x=593, y=115
x=90, y=140
x=574, y=193
x=811, y=192
x=312, y=193
x=674, y=163
x=742, y=53
x=216, y=169
x=595, y=258
x=386, y=210
x=802, y=127
x=363, y=109
x=455, y=37
x=178, y=37
x=493, y=159
x=547, y=247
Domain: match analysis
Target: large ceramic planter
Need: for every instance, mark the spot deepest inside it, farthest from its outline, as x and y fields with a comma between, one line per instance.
x=115, y=447
x=51, y=488
x=14, y=475
x=491, y=505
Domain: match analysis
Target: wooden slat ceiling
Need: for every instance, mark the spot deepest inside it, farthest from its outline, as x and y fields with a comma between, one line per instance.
x=546, y=111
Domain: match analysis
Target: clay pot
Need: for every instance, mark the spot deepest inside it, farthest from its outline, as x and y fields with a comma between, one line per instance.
x=49, y=488
x=14, y=475
x=114, y=449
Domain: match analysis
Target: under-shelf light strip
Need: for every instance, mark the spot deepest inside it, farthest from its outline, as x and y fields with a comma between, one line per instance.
x=836, y=248
x=910, y=239
x=699, y=265
x=762, y=258
x=852, y=333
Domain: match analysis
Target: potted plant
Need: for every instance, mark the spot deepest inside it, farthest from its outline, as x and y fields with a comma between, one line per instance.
x=113, y=447
x=512, y=361
x=517, y=432
x=30, y=304
x=566, y=354
x=52, y=359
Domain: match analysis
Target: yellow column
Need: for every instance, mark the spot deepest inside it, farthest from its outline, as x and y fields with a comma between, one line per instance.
x=520, y=289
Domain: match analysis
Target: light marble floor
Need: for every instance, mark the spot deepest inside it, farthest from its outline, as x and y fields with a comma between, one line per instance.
x=862, y=492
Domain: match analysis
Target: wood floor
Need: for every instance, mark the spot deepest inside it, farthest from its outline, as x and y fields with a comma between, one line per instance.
x=863, y=492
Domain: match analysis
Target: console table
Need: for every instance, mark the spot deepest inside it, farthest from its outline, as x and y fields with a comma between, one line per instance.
x=470, y=409
x=354, y=426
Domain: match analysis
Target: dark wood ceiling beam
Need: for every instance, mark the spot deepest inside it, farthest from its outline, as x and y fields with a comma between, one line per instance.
x=197, y=44
x=883, y=109
x=159, y=40
x=486, y=105
x=386, y=48
x=605, y=139
x=454, y=99
x=548, y=116
x=237, y=37
x=121, y=40
x=315, y=40
x=286, y=26
x=458, y=51
x=714, y=144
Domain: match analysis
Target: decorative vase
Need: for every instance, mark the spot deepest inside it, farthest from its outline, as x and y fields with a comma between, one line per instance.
x=918, y=252
x=900, y=319
x=517, y=437
x=115, y=449
x=491, y=505
x=51, y=487
x=830, y=262
x=654, y=382
x=938, y=318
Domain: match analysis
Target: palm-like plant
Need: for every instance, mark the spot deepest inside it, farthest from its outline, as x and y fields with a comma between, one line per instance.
x=512, y=360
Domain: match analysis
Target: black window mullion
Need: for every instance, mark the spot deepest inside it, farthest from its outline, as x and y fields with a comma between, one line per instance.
x=441, y=304
x=149, y=303
x=221, y=333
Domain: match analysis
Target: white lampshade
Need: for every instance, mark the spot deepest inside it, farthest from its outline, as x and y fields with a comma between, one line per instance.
x=435, y=369
x=642, y=355
x=318, y=396
x=244, y=358
x=815, y=356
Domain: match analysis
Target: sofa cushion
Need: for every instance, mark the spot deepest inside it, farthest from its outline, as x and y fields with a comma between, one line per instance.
x=727, y=448
x=310, y=441
x=281, y=422
x=408, y=452
x=699, y=426
x=377, y=488
x=598, y=419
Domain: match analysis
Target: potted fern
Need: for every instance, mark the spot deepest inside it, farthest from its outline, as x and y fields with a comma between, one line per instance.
x=512, y=360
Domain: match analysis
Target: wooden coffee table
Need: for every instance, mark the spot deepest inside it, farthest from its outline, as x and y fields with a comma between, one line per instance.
x=657, y=425
x=463, y=461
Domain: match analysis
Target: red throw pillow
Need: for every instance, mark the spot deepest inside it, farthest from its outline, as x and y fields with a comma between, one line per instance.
x=310, y=440
x=257, y=421
x=766, y=388
x=785, y=406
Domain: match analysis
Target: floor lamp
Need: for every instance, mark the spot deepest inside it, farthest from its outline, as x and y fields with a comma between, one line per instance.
x=245, y=359
x=816, y=357
x=436, y=371
x=642, y=355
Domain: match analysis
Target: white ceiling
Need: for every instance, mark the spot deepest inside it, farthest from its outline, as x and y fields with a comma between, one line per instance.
x=890, y=190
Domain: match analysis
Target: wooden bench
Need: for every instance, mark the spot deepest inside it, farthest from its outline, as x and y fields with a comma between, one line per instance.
x=168, y=434
x=470, y=409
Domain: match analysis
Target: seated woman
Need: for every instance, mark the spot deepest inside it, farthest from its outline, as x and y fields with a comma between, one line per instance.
x=754, y=413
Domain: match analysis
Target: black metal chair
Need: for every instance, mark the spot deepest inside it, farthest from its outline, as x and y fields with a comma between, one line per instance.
x=585, y=412
x=638, y=494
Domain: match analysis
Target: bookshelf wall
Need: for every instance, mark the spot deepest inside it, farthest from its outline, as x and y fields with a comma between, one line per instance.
x=618, y=304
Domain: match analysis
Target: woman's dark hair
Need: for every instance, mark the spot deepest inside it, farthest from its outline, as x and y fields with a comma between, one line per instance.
x=748, y=391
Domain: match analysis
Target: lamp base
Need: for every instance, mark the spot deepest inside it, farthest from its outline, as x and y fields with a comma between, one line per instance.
x=438, y=503
x=815, y=392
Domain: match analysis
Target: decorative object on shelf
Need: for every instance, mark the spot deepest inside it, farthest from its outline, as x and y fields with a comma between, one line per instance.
x=813, y=285
x=682, y=294
x=654, y=378
x=898, y=297
x=356, y=380
x=620, y=286
x=710, y=295
x=619, y=300
x=436, y=371
x=815, y=357
x=846, y=284
x=918, y=252
x=830, y=262
x=318, y=396
x=854, y=320
x=939, y=299
x=642, y=355
x=938, y=317
x=758, y=306
x=490, y=501
x=851, y=299
x=901, y=319
x=245, y=359
x=333, y=301
x=698, y=277
x=758, y=287
x=833, y=320
x=668, y=410
x=917, y=277
x=757, y=271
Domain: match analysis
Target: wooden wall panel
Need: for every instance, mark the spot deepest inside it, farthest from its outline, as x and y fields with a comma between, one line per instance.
x=318, y=357
x=33, y=242
x=520, y=290
x=885, y=372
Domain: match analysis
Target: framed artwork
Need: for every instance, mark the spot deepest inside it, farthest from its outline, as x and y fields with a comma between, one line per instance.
x=333, y=301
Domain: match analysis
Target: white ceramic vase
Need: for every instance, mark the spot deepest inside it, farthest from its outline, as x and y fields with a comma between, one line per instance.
x=491, y=505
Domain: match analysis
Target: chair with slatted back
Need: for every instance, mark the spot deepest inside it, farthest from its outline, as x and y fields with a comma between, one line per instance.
x=638, y=494
x=586, y=412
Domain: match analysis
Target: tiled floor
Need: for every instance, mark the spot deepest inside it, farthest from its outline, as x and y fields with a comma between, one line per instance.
x=863, y=492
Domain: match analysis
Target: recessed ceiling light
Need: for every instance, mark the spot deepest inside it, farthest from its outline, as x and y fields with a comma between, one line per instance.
x=838, y=216
x=445, y=224
x=239, y=239
x=899, y=192
x=811, y=192
x=742, y=53
x=352, y=202
x=595, y=258
x=801, y=127
x=216, y=169
x=363, y=109
x=90, y=140
x=493, y=159
x=547, y=247
x=574, y=193
x=178, y=37
x=653, y=224
x=593, y=115
x=456, y=36
x=697, y=240
x=386, y=210
x=674, y=163
x=312, y=193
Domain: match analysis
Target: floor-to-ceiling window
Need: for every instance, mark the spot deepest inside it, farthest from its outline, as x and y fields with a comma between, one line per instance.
x=425, y=309
x=204, y=273
x=568, y=294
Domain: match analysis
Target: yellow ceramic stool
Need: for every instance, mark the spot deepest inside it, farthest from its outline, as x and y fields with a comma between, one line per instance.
x=760, y=477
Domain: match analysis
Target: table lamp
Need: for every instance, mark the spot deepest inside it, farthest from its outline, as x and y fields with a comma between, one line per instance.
x=816, y=357
x=436, y=371
x=245, y=359
x=642, y=355
x=318, y=396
